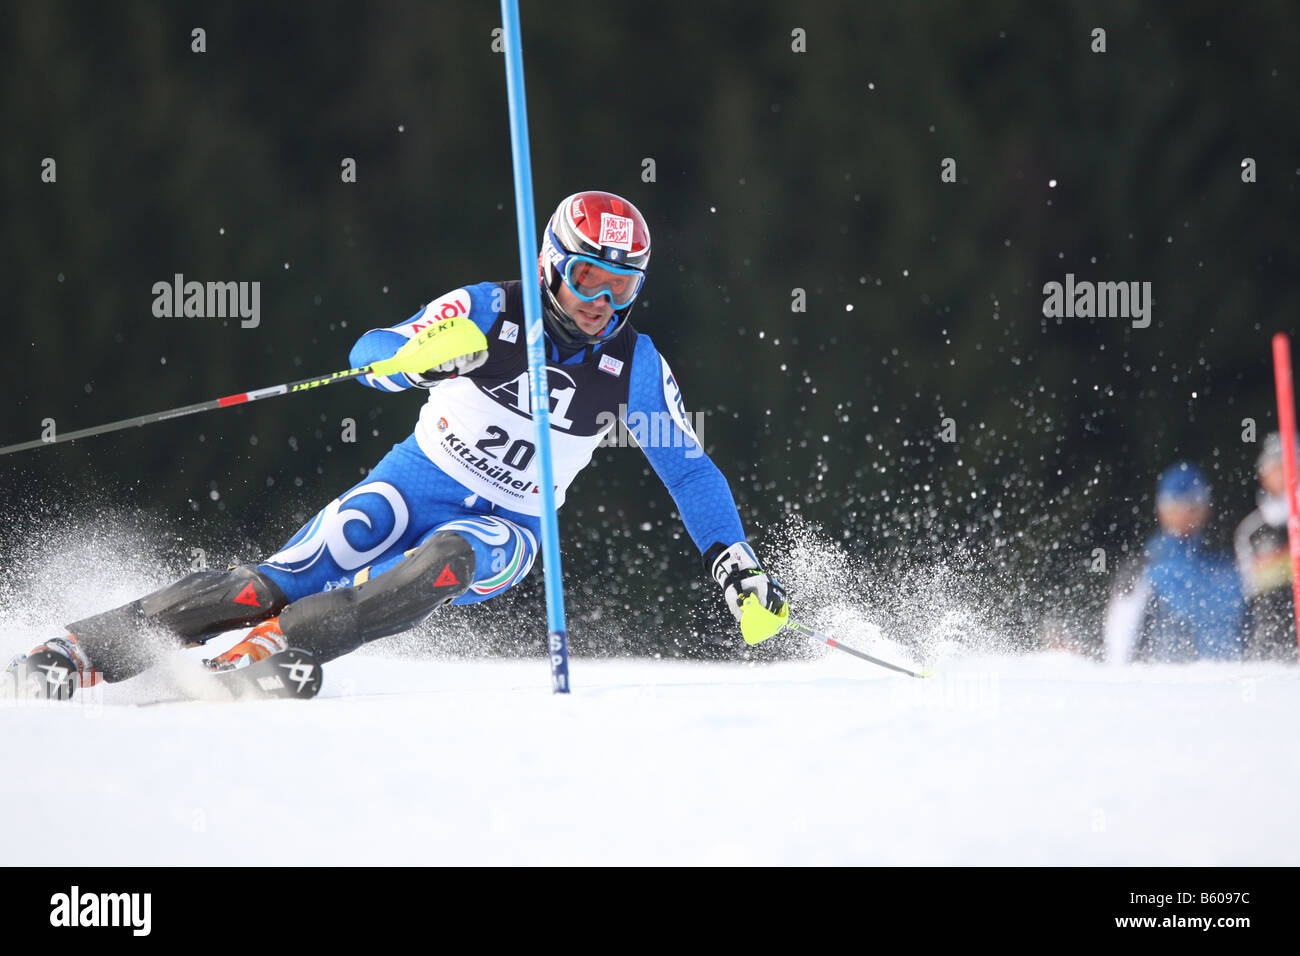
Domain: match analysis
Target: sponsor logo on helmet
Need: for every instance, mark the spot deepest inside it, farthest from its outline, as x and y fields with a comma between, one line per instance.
x=552, y=255
x=616, y=231
x=576, y=211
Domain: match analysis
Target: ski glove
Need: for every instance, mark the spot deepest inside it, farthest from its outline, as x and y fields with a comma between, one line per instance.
x=753, y=596
x=457, y=366
x=452, y=346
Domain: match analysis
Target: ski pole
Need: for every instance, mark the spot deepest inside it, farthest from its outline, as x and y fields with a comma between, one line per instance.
x=225, y=402
x=807, y=631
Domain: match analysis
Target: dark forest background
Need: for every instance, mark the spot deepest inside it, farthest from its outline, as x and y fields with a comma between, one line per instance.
x=774, y=169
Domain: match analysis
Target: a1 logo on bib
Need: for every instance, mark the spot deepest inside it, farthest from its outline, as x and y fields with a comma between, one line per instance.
x=516, y=394
x=615, y=231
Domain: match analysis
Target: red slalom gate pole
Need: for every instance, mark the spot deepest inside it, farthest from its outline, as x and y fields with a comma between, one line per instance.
x=1286, y=425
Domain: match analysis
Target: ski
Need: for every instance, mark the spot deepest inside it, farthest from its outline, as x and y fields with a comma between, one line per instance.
x=290, y=673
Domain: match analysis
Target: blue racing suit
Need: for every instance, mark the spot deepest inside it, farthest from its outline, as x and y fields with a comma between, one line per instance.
x=470, y=467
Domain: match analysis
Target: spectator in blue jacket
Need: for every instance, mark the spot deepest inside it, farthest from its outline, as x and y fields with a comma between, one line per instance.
x=1180, y=600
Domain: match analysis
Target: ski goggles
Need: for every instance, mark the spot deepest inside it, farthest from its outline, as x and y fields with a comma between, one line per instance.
x=589, y=279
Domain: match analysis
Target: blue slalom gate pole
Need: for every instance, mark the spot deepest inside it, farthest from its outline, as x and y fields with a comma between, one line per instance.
x=557, y=641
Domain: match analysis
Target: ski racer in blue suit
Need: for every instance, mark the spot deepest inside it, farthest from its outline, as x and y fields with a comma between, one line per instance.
x=452, y=514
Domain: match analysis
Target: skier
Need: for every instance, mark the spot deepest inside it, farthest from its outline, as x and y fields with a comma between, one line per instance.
x=452, y=514
x=1179, y=599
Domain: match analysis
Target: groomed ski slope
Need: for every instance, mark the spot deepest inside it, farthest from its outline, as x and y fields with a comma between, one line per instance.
x=1045, y=759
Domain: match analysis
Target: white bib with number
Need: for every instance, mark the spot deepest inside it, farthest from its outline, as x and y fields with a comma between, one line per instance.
x=488, y=442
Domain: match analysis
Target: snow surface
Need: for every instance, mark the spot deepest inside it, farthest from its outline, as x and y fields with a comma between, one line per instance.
x=1044, y=759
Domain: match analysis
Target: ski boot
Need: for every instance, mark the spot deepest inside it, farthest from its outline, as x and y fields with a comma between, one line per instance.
x=261, y=642
x=51, y=671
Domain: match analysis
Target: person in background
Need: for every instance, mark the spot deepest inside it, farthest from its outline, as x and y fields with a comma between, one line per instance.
x=1264, y=563
x=1180, y=600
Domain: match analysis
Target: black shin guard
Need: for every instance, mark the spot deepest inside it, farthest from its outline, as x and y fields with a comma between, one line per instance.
x=127, y=640
x=333, y=623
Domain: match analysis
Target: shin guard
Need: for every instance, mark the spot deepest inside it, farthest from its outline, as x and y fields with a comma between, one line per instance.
x=332, y=623
x=129, y=639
